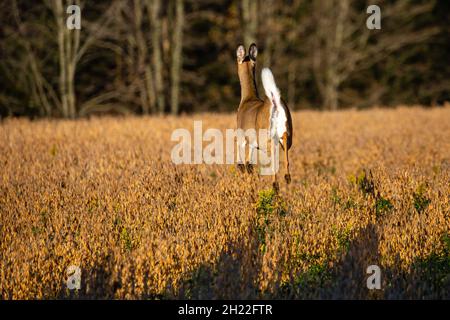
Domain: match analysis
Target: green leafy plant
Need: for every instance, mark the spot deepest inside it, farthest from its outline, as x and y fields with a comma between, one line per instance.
x=421, y=202
x=382, y=205
x=435, y=269
x=126, y=239
x=335, y=198
x=364, y=182
x=343, y=236
x=267, y=205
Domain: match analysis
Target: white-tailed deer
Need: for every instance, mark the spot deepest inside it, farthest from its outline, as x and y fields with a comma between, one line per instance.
x=271, y=113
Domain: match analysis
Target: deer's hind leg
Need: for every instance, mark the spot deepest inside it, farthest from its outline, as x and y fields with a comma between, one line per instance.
x=287, y=176
x=274, y=163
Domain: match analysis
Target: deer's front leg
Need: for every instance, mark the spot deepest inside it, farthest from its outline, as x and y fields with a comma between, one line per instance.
x=253, y=147
x=240, y=161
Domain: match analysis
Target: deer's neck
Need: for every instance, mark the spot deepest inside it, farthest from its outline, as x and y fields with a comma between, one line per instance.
x=248, y=84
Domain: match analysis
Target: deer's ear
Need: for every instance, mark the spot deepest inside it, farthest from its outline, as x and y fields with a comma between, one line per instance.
x=253, y=51
x=240, y=53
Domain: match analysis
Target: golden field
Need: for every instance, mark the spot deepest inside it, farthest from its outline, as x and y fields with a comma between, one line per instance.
x=368, y=187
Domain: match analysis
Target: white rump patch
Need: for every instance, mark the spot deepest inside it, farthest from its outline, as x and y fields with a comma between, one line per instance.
x=278, y=116
x=278, y=121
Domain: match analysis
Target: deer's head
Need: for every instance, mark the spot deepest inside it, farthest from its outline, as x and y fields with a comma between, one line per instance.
x=246, y=69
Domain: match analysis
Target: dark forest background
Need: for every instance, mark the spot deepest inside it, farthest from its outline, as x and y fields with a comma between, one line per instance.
x=176, y=56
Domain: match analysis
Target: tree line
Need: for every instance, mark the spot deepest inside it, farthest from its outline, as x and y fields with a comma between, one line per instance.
x=176, y=56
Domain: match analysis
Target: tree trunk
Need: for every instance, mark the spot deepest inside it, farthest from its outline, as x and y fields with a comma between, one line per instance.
x=269, y=7
x=59, y=15
x=154, y=10
x=68, y=45
x=176, y=54
x=72, y=46
x=141, y=57
x=332, y=17
x=250, y=21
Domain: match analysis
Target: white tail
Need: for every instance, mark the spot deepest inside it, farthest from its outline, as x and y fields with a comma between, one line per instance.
x=269, y=85
x=278, y=119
